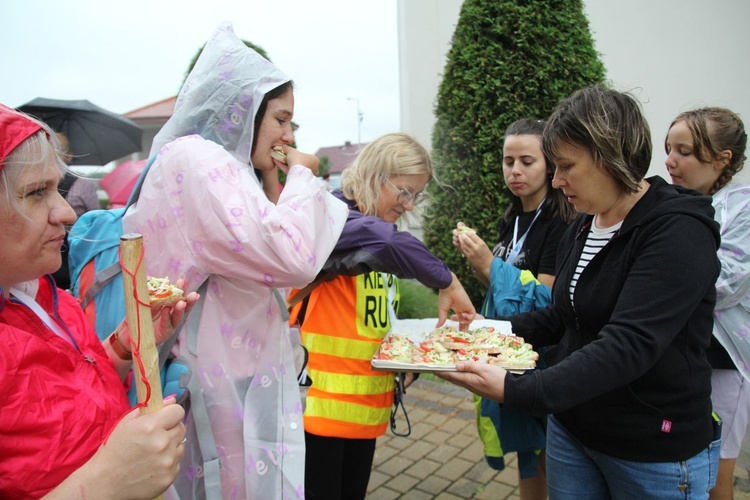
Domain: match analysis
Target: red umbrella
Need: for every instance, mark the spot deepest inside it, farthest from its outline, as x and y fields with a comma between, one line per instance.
x=119, y=183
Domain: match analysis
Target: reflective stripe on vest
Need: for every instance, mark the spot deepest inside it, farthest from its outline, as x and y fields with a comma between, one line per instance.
x=347, y=412
x=345, y=320
x=351, y=384
x=342, y=347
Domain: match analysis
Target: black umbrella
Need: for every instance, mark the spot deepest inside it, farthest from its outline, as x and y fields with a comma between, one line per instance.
x=95, y=136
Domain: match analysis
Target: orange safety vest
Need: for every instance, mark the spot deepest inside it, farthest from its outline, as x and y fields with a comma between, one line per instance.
x=344, y=322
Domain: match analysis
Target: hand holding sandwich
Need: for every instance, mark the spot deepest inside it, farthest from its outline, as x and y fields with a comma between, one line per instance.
x=285, y=156
x=167, y=316
x=475, y=250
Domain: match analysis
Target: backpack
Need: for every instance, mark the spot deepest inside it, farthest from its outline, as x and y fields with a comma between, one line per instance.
x=95, y=274
x=96, y=279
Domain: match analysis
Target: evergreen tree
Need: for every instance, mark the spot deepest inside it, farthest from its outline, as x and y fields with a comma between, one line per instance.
x=509, y=59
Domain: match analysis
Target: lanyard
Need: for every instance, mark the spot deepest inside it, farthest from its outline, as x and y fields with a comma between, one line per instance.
x=41, y=313
x=400, y=389
x=517, y=244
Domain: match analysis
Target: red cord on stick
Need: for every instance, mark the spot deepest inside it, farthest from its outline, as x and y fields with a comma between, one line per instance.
x=140, y=324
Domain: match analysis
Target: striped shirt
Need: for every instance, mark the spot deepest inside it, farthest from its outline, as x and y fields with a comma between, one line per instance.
x=596, y=240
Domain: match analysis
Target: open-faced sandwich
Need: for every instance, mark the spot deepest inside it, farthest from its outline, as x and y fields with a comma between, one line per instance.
x=396, y=348
x=278, y=154
x=162, y=293
x=463, y=228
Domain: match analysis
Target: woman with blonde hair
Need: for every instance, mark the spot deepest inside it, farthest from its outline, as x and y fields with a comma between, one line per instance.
x=344, y=319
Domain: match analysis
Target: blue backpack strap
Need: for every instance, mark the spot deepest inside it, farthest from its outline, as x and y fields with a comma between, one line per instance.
x=166, y=347
x=190, y=381
x=282, y=305
x=101, y=279
x=192, y=326
x=209, y=452
x=136, y=192
x=171, y=374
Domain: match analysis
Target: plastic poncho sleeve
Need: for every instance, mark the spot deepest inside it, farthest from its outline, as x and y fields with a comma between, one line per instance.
x=513, y=291
x=733, y=215
x=732, y=312
x=368, y=243
x=214, y=208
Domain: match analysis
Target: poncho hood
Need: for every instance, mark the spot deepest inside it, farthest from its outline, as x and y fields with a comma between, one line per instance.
x=221, y=96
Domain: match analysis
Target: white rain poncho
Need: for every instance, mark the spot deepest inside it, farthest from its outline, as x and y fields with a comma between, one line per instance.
x=732, y=313
x=203, y=214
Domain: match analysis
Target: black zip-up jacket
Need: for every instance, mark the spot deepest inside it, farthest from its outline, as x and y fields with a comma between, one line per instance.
x=629, y=376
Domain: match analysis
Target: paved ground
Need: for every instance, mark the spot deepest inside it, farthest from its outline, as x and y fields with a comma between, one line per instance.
x=442, y=458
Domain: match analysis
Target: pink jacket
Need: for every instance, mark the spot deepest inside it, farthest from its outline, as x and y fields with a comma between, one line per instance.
x=59, y=400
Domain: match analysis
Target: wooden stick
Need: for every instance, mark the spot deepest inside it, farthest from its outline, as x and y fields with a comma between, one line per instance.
x=131, y=248
x=139, y=313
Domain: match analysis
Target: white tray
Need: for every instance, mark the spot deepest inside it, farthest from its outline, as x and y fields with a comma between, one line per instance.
x=417, y=329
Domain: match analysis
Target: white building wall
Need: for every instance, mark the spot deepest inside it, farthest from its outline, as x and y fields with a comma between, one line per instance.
x=673, y=54
x=425, y=30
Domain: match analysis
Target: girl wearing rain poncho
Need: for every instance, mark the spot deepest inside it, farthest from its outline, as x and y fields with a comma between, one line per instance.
x=706, y=149
x=204, y=217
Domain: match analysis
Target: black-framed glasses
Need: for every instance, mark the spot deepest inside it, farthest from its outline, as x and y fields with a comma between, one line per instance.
x=405, y=196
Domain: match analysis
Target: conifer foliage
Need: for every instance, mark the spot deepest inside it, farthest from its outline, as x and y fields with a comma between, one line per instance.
x=509, y=59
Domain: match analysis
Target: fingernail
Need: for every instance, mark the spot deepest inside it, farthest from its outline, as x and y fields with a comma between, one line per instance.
x=170, y=396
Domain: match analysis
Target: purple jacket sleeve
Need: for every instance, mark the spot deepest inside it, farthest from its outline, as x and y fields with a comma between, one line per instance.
x=369, y=243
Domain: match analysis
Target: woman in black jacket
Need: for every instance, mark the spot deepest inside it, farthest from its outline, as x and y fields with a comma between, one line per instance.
x=628, y=385
x=530, y=231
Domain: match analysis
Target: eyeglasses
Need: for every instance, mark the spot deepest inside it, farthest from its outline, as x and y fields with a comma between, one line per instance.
x=405, y=196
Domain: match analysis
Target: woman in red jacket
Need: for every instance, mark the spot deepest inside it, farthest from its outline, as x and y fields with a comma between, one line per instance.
x=65, y=429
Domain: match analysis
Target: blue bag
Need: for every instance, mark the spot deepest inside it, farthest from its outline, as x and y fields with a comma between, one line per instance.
x=96, y=276
x=502, y=430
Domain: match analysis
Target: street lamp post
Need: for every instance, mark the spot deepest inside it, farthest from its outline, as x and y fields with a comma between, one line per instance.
x=359, y=119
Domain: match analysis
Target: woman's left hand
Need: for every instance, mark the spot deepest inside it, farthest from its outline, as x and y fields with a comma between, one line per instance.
x=483, y=379
x=167, y=319
x=477, y=253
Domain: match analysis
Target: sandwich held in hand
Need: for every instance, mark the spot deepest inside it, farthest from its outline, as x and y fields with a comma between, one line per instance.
x=162, y=293
x=278, y=154
x=463, y=228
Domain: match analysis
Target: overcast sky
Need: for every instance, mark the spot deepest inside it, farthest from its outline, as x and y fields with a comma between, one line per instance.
x=125, y=54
